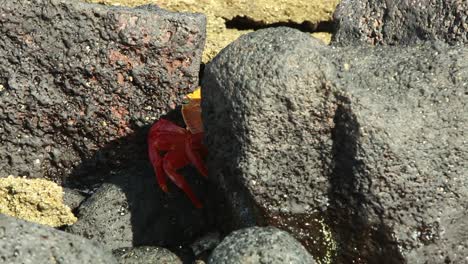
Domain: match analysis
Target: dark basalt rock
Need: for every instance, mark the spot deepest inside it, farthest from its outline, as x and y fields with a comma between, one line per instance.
x=131, y=210
x=78, y=82
x=367, y=142
x=401, y=22
x=25, y=242
x=72, y=198
x=143, y=255
x=260, y=245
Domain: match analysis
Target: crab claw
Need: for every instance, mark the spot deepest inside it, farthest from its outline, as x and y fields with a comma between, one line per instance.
x=181, y=148
x=171, y=163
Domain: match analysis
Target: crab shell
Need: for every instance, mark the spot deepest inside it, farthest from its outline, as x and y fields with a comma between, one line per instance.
x=191, y=112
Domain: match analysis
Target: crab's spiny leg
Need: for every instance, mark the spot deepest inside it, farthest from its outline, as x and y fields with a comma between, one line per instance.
x=194, y=156
x=156, y=161
x=173, y=161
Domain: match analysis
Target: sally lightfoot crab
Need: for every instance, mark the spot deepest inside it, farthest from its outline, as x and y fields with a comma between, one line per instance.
x=171, y=147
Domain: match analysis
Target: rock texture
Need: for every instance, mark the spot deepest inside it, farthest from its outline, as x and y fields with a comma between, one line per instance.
x=78, y=81
x=260, y=245
x=143, y=255
x=401, y=22
x=268, y=122
x=23, y=242
x=370, y=140
x=131, y=210
x=72, y=198
x=35, y=200
x=229, y=19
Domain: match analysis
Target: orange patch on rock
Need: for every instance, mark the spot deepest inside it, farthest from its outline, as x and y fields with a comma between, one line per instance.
x=115, y=56
x=123, y=126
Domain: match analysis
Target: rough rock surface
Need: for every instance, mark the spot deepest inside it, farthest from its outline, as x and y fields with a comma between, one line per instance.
x=131, y=210
x=78, y=80
x=35, y=200
x=269, y=133
x=143, y=255
x=370, y=139
x=205, y=244
x=401, y=22
x=229, y=19
x=72, y=198
x=23, y=242
x=260, y=245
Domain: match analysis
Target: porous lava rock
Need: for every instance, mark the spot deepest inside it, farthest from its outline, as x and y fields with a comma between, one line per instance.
x=400, y=22
x=78, y=81
x=146, y=254
x=24, y=242
x=131, y=210
x=229, y=19
x=260, y=245
x=368, y=142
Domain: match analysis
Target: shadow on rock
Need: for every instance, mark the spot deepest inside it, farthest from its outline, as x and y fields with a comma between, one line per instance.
x=129, y=209
x=347, y=204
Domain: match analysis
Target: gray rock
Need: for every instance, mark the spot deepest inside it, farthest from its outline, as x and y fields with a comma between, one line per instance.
x=143, y=255
x=72, y=198
x=268, y=129
x=205, y=243
x=368, y=142
x=78, y=82
x=131, y=210
x=260, y=245
x=29, y=243
x=401, y=22
x=400, y=152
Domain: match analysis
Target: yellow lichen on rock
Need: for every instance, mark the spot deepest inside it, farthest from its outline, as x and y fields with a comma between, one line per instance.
x=35, y=200
x=262, y=11
x=122, y=2
x=323, y=36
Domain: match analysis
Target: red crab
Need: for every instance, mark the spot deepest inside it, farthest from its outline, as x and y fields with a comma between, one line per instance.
x=171, y=147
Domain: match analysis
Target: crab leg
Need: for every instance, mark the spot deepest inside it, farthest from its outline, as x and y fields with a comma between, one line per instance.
x=166, y=126
x=171, y=163
x=157, y=162
x=193, y=155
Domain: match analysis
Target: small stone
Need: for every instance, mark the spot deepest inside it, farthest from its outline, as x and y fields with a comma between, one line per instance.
x=146, y=254
x=23, y=242
x=260, y=245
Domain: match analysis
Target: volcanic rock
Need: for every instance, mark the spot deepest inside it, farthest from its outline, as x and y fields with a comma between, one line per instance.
x=78, y=82
x=366, y=142
x=401, y=22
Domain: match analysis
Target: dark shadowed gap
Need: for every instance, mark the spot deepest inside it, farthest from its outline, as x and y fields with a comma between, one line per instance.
x=157, y=218
x=201, y=73
x=245, y=23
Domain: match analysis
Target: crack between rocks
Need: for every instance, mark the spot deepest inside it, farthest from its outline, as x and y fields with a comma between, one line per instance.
x=246, y=23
